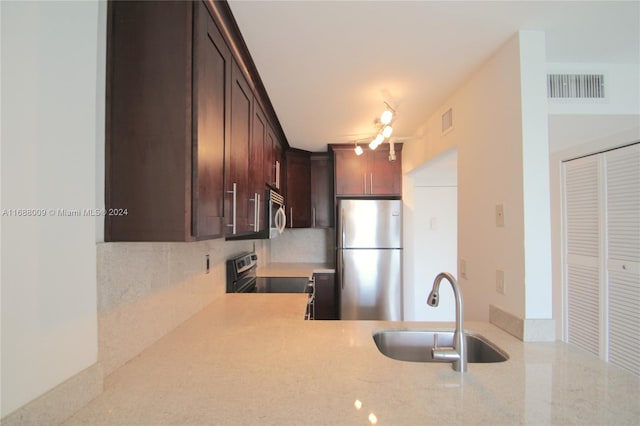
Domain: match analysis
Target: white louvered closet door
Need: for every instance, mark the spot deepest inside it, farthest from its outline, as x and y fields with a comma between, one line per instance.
x=582, y=256
x=602, y=255
x=623, y=256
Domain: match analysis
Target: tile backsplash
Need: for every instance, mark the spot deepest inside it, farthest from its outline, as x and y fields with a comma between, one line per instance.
x=145, y=290
x=306, y=245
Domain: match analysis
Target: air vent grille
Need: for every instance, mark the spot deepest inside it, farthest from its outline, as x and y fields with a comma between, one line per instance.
x=447, y=120
x=575, y=86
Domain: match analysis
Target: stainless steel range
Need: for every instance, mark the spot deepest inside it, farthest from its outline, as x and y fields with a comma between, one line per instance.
x=242, y=278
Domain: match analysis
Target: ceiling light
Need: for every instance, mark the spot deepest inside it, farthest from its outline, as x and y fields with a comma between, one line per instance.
x=386, y=131
x=358, y=150
x=377, y=141
x=386, y=117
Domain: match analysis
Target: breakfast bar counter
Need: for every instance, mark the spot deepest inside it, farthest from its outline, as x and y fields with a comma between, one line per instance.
x=252, y=359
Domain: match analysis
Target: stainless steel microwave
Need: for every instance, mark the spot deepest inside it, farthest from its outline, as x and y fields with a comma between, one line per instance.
x=274, y=215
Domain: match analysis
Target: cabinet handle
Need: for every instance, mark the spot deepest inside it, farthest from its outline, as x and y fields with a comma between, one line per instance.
x=277, y=166
x=364, y=175
x=313, y=222
x=256, y=212
x=291, y=216
x=371, y=184
x=234, y=204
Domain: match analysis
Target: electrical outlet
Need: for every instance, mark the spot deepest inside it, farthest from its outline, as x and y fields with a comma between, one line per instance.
x=500, y=286
x=463, y=268
x=500, y=215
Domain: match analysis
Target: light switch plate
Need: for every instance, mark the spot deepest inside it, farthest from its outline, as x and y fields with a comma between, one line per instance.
x=500, y=287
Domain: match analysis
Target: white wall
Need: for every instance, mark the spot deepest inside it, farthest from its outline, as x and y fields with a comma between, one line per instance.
x=535, y=165
x=430, y=236
x=489, y=135
x=622, y=89
x=50, y=72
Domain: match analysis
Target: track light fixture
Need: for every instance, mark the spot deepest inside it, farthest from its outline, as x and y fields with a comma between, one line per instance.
x=387, y=115
x=384, y=131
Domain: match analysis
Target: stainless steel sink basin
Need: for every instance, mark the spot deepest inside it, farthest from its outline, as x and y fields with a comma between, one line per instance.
x=415, y=345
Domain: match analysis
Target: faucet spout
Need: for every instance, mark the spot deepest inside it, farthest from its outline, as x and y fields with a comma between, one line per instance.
x=457, y=355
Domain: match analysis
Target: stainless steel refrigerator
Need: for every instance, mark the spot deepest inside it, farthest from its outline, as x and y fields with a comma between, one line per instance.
x=369, y=259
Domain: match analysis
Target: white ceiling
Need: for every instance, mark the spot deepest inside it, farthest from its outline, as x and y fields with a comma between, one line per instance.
x=329, y=65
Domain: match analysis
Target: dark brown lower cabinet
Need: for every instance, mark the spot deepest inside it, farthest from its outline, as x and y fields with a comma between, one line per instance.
x=326, y=306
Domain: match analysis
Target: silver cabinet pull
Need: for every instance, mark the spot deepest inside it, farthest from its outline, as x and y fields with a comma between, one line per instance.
x=256, y=212
x=232, y=225
x=291, y=216
x=364, y=175
x=313, y=221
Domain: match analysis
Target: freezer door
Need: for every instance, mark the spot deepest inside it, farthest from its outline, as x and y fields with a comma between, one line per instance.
x=370, y=282
x=369, y=224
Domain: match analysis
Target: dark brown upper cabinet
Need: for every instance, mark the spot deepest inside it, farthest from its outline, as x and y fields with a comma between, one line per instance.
x=212, y=68
x=298, y=195
x=238, y=198
x=368, y=175
x=321, y=190
x=257, y=167
x=186, y=115
x=150, y=129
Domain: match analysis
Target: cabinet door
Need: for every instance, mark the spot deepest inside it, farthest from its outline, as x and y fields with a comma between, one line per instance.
x=211, y=78
x=149, y=130
x=384, y=177
x=326, y=306
x=350, y=173
x=298, y=198
x=269, y=158
x=239, y=148
x=321, y=191
x=278, y=161
x=256, y=168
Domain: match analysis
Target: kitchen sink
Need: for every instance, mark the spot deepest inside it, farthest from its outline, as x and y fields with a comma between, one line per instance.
x=415, y=345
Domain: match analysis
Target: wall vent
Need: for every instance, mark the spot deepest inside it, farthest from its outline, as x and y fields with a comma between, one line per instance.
x=575, y=86
x=447, y=120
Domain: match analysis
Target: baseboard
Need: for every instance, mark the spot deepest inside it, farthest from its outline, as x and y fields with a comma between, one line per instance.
x=527, y=330
x=61, y=402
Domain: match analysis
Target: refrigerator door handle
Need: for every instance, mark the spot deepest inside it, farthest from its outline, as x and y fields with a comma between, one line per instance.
x=341, y=268
x=341, y=256
x=342, y=230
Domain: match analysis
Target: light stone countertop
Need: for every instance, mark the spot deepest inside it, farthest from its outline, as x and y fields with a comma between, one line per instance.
x=252, y=359
x=293, y=269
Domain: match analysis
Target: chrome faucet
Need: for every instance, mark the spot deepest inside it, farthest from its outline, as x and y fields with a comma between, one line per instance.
x=456, y=355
